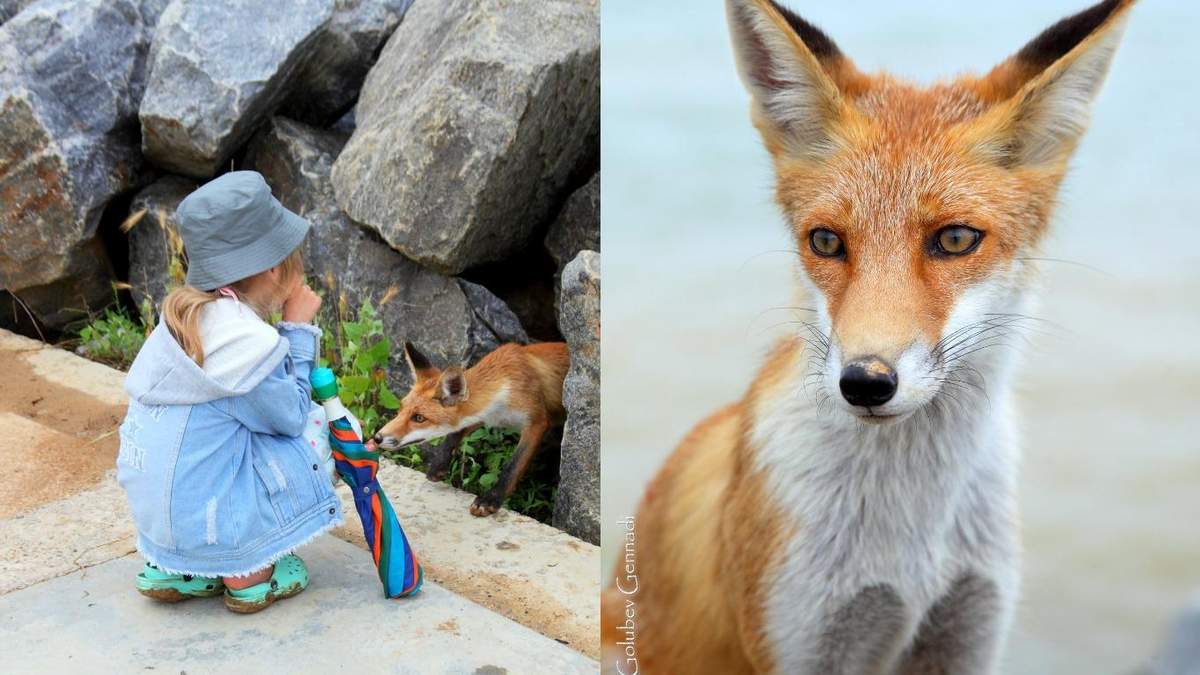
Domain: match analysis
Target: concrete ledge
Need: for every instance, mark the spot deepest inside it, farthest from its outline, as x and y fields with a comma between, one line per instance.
x=65, y=369
x=31, y=450
x=65, y=536
x=94, y=621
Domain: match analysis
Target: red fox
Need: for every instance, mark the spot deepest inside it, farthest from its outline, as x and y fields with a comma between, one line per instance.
x=855, y=511
x=513, y=386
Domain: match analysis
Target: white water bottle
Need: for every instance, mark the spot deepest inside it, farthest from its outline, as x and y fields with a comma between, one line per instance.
x=325, y=391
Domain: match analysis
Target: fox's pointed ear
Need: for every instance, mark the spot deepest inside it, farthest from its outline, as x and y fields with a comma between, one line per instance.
x=796, y=75
x=452, y=388
x=1044, y=92
x=421, y=367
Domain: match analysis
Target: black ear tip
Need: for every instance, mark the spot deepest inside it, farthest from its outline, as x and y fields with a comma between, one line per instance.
x=813, y=38
x=1060, y=38
x=817, y=41
x=419, y=361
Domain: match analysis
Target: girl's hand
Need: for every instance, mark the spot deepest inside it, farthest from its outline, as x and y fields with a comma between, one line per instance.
x=302, y=305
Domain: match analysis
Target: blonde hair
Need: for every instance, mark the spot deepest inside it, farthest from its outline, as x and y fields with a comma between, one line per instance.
x=182, y=307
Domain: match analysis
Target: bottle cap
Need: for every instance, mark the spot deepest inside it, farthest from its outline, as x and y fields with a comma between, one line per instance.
x=324, y=384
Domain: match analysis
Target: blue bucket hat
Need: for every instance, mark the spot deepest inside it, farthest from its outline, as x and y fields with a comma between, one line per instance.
x=233, y=228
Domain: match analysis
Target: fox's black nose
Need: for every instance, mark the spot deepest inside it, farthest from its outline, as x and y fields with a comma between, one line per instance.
x=378, y=438
x=868, y=382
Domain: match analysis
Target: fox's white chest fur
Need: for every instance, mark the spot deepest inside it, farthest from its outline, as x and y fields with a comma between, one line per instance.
x=911, y=507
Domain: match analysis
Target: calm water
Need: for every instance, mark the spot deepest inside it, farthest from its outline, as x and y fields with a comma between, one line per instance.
x=695, y=259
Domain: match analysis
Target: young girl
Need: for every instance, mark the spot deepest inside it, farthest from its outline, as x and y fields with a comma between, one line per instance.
x=220, y=481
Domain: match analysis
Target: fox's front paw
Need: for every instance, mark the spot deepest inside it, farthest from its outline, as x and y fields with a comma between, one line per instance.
x=485, y=505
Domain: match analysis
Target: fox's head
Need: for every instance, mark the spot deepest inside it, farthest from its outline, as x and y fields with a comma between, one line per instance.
x=432, y=408
x=915, y=210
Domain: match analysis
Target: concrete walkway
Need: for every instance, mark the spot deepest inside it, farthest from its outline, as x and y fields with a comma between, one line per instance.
x=67, y=563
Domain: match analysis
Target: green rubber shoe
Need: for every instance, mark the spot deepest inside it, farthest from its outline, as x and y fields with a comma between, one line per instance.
x=289, y=578
x=155, y=583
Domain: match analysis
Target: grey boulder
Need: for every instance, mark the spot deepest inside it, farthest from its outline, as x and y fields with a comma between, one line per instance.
x=450, y=319
x=156, y=260
x=328, y=84
x=464, y=146
x=218, y=69
x=9, y=8
x=577, y=227
x=152, y=11
x=577, y=509
x=68, y=145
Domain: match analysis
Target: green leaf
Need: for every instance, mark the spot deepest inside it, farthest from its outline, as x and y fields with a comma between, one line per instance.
x=353, y=331
x=386, y=398
x=493, y=461
x=380, y=351
x=487, y=480
x=363, y=363
x=355, y=385
x=369, y=420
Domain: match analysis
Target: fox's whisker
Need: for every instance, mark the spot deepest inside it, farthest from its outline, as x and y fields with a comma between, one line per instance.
x=948, y=353
x=1090, y=268
x=774, y=251
x=994, y=341
x=980, y=328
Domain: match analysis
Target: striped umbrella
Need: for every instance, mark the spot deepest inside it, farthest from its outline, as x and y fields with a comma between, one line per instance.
x=399, y=570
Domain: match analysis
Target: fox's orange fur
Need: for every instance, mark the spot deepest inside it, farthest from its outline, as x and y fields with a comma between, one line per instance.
x=514, y=385
x=886, y=166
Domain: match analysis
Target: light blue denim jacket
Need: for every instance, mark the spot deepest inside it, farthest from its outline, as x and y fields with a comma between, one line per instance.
x=219, y=480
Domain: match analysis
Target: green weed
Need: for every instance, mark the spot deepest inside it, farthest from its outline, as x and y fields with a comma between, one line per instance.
x=357, y=351
x=113, y=338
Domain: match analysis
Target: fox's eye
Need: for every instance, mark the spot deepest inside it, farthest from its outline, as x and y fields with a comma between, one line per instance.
x=418, y=418
x=956, y=240
x=825, y=243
